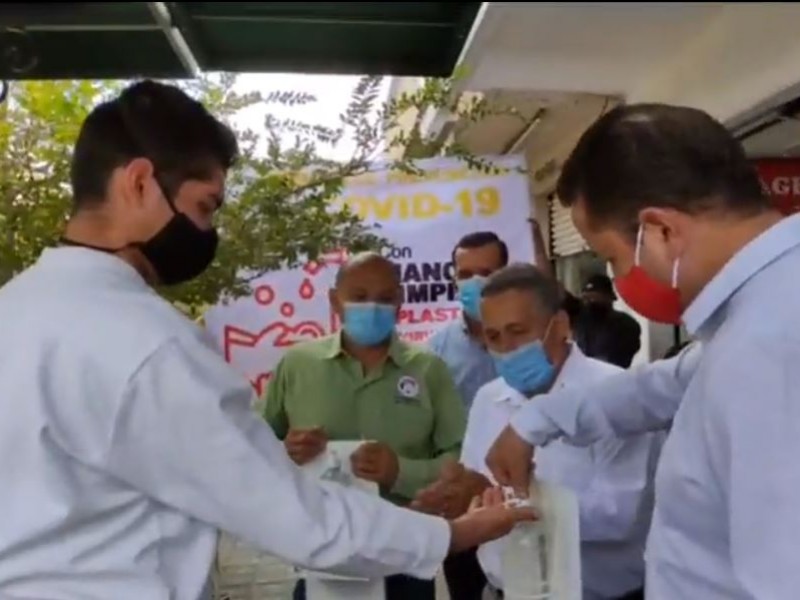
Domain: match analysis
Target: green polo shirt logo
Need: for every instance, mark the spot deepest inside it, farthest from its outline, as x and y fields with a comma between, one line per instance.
x=407, y=388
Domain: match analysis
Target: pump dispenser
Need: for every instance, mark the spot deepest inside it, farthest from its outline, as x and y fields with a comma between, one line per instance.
x=541, y=559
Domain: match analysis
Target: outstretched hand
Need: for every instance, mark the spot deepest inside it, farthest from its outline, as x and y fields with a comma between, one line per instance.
x=487, y=519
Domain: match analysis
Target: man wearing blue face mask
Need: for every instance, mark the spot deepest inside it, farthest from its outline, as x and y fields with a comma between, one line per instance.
x=528, y=335
x=460, y=344
x=365, y=383
x=475, y=257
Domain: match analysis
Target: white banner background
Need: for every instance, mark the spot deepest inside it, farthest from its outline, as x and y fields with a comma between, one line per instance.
x=423, y=218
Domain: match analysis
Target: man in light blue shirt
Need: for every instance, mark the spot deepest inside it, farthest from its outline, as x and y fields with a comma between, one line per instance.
x=476, y=256
x=669, y=198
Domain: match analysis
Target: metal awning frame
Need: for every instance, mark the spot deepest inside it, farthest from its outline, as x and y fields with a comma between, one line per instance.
x=163, y=20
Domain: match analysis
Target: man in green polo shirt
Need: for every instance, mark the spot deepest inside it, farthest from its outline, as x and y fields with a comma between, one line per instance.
x=365, y=383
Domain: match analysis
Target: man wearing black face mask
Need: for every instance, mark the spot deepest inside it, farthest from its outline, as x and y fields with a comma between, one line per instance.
x=126, y=441
x=602, y=332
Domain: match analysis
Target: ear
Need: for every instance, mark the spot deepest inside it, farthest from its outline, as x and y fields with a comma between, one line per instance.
x=560, y=329
x=668, y=225
x=137, y=179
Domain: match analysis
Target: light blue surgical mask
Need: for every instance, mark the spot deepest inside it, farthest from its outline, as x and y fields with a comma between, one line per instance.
x=469, y=294
x=369, y=323
x=526, y=369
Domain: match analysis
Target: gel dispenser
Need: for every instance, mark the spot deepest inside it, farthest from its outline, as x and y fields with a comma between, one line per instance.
x=541, y=559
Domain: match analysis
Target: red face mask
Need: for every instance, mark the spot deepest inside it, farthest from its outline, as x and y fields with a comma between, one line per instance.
x=650, y=298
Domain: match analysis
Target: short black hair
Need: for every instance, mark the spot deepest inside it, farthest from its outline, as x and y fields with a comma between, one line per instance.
x=644, y=155
x=479, y=239
x=155, y=121
x=526, y=278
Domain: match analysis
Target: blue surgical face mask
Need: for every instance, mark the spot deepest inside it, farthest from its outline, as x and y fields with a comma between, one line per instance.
x=369, y=323
x=526, y=369
x=469, y=293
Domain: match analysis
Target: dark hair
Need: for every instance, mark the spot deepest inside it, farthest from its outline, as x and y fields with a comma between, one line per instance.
x=154, y=121
x=526, y=278
x=658, y=155
x=479, y=239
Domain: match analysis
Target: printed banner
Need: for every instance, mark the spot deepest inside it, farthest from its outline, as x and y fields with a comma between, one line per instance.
x=423, y=217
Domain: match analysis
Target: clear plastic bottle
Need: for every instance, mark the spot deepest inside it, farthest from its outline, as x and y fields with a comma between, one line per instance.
x=525, y=562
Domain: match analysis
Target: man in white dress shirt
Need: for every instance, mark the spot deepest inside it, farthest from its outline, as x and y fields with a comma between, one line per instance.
x=667, y=195
x=528, y=334
x=126, y=441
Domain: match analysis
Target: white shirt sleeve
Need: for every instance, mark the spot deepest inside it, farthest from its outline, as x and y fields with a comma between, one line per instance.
x=186, y=436
x=473, y=456
x=619, y=496
x=643, y=399
x=753, y=438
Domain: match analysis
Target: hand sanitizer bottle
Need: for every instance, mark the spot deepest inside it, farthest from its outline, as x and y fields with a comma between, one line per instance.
x=541, y=560
x=526, y=560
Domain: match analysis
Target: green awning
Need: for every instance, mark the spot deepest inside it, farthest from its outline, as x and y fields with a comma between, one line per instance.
x=121, y=40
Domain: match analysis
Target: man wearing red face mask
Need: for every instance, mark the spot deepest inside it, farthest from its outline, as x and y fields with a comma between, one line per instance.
x=668, y=197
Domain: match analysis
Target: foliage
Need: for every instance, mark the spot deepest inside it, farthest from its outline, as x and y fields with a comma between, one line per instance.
x=280, y=213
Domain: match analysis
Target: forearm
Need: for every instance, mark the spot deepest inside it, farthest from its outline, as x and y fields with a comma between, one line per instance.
x=632, y=402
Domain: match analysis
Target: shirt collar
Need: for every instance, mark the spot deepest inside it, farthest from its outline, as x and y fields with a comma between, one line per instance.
x=75, y=257
x=755, y=256
x=396, y=353
x=573, y=362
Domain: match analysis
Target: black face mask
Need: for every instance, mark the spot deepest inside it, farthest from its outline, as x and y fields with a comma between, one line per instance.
x=179, y=252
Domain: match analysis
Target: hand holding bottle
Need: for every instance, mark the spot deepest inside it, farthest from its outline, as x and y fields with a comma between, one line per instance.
x=488, y=518
x=510, y=459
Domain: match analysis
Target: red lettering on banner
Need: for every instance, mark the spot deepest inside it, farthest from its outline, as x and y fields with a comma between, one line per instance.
x=411, y=316
x=416, y=336
x=780, y=179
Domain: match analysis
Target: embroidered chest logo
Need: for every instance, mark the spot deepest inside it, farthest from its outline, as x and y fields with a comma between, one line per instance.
x=408, y=387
